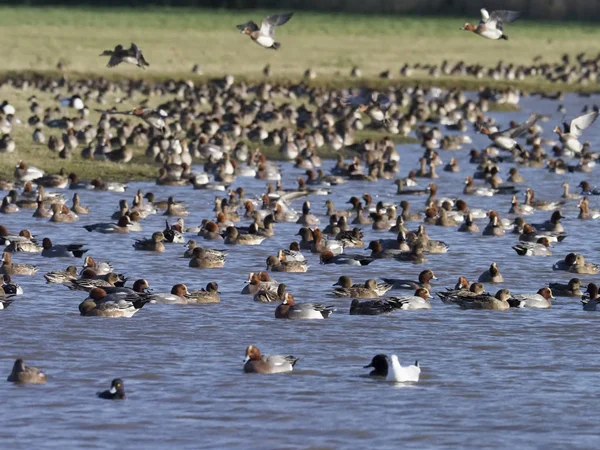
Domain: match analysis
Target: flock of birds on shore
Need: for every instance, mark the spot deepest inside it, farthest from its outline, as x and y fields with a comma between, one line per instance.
x=215, y=122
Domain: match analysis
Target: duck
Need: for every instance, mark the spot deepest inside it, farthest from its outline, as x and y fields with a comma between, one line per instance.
x=492, y=275
x=7, y=207
x=62, y=214
x=202, y=259
x=10, y=287
x=210, y=294
x=521, y=210
x=399, y=243
x=582, y=267
x=544, y=205
x=370, y=289
x=154, y=244
x=267, y=294
x=553, y=225
x=233, y=237
x=586, y=189
x=541, y=299
x=506, y=139
x=491, y=25
x=390, y=369
x=24, y=172
x=257, y=282
x=539, y=248
x=327, y=257
x=5, y=299
x=291, y=254
x=9, y=268
x=461, y=290
x=111, y=305
x=132, y=55
x=373, y=307
x=423, y=282
x=468, y=226
x=585, y=213
x=320, y=245
x=378, y=252
x=90, y=281
x=61, y=276
x=265, y=35
x=62, y=251
x=471, y=189
x=570, y=289
x=26, y=374
x=571, y=132
x=494, y=227
x=415, y=256
x=420, y=300
x=210, y=231
x=99, y=267
x=174, y=233
x=497, y=302
x=591, y=304
x=255, y=362
x=289, y=309
x=307, y=219
x=77, y=207
x=121, y=227
x=116, y=391
x=175, y=209
x=276, y=265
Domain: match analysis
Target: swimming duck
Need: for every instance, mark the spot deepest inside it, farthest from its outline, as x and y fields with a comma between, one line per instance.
x=539, y=248
x=276, y=265
x=461, y=290
x=61, y=276
x=586, y=189
x=374, y=307
x=210, y=294
x=265, y=35
x=7, y=207
x=585, y=213
x=99, y=267
x=544, y=205
x=491, y=25
x=259, y=282
x=571, y=289
x=291, y=254
x=122, y=226
x=541, y=299
x=289, y=309
x=112, y=305
x=202, y=259
x=423, y=282
x=9, y=268
x=62, y=251
x=132, y=55
x=327, y=257
x=494, y=227
x=255, y=362
x=116, y=391
x=492, y=275
x=468, y=226
x=233, y=237
x=5, y=299
x=370, y=289
x=26, y=374
x=570, y=134
x=486, y=301
x=420, y=300
x=266, y=294
x=90, y=281
x=591, y=304
x=391, y=370
x=154, y=244
x=553, y=225
x=10, y=287
x=77, y=208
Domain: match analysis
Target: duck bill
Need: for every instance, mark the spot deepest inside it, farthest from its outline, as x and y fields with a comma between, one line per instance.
x=368, y=367
x=246, y=359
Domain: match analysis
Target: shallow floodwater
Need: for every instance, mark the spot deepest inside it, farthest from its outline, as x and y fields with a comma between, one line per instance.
x=521, y=378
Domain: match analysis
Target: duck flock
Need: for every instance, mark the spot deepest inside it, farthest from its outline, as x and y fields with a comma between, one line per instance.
x=241, y=133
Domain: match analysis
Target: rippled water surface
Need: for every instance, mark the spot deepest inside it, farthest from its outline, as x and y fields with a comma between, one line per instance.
x=522, y=378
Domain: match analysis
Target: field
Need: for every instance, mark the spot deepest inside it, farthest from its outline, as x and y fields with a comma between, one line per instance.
x=173, y=40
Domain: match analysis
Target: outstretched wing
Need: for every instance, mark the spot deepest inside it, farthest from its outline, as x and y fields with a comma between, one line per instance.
x=250, y=24
x=498, y=18
x=267, y=27
x=114, y=60
x=520, y=129
x=582, y=122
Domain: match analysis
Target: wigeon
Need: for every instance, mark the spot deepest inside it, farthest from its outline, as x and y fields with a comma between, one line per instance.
x=491, y=25
x=539, y=248
x=370, y=289
x=62, y=251
x=255, y=362
x=276, y=265
x=265, y=35
x=506, y=139
x=202, y=259
x=26, y=374
x=591, y=303
x=420, y=300
x=327, y=257
x=468, y=226
x=112, y=305
x=541, y=299
x=485, y=301
x=9, y=268
x=116, y=391
x=289, y=309
x=233, y=237
x=544, y=205
x=423, y=282
x=178, y=295
x=99, y=267
x=10, y=287
x=77, y=208
x=570, y=289
x=373, y=307
x=154, y=244
x=61, y=276
x=132, y=55
x=87, y=284
x=267, y=295
x=62, y=214
x=462, y=290
x=492, y=275
x=122, y=226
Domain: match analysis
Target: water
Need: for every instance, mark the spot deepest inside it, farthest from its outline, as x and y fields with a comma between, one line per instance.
x=522, y=378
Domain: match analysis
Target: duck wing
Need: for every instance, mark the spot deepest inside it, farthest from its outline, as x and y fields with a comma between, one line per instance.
x=498, y=18
x=114, y=60
x=250, y=24
x=517, y=131
x=582, y=122
x=267, y=27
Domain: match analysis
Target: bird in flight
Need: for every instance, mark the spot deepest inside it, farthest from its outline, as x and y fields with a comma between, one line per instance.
x=131, y=55
x=265, y=35
x=491, y=25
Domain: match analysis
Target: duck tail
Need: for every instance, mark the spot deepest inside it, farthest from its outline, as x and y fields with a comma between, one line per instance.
x=505, y=37
x=276, y=46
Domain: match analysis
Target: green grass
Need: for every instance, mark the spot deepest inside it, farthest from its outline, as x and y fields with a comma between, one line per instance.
x=173, y=40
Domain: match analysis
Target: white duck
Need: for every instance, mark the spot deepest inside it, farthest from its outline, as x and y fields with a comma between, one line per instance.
x=569, y=136
x=399, y=374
